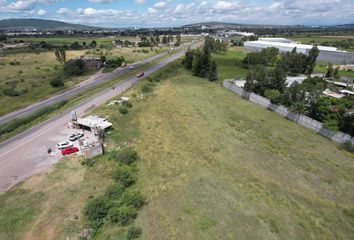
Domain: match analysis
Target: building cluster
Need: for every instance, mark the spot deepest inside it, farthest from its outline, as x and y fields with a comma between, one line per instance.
x=328, y=54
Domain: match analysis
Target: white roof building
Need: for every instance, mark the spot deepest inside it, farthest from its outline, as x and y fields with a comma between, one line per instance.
x=93, y=122
x=286, y=47
x=282, y=40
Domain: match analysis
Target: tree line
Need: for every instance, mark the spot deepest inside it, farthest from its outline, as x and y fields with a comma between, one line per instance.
x=200, y=61
x=267, y=77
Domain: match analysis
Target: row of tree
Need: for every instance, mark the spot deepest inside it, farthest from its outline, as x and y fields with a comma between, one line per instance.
x=200, y=61
x=292, y=63
x=306, y=98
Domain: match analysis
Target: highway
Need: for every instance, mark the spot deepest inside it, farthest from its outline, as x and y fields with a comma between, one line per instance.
x=82, y=87
x=26, y=153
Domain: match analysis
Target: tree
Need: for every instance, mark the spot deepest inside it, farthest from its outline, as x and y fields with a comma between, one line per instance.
x=3, y=37
x=294, y=62
x=330, y=71
x=201, y=64
x=60, y=55
x=75, y=46
x=188, y=59
x=74, y=67
x=178, y=40
x=213, y=74
x=270, y=55
x=273, y=95
x=93, y=44
x=164, y=39
x=311, y=59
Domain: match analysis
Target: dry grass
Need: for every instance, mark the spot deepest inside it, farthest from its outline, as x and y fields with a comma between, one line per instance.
x=212, y=166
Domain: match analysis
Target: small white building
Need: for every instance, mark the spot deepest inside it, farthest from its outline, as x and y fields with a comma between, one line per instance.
x=91, y=123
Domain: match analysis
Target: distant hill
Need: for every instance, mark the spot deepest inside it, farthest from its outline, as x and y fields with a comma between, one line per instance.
x=240, y=25
x=39, y=24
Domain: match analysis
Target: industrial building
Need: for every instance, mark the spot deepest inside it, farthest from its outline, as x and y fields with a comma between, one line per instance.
x=328, y=54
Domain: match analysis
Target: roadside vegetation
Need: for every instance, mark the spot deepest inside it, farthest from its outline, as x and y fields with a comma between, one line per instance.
x=33, y=72
x=220, y=170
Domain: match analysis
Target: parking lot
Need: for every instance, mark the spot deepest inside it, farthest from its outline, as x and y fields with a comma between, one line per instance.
x=35, y=154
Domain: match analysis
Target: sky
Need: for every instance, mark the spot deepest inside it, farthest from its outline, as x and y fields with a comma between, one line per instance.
x=169, y=13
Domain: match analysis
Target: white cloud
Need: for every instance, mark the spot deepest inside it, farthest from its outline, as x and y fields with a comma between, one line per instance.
x=63, y=10
x=22, y=5
x=140, y=1
x=160, y=5
x=41, y=12
x=174, y=12
x=101, y=1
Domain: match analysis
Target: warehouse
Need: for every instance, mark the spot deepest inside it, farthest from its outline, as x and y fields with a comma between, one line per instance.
x=328, y=54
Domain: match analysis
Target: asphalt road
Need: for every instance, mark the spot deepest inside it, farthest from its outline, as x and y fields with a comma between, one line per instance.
x=83, y=86
x=26, y=153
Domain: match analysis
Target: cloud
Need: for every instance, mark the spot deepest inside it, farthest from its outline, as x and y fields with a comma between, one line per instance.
x=101, y=1
x=41, y=12
x=177, y=12
x=22, y=5
x=160, y=5
x=140, y=1
x=63, y=11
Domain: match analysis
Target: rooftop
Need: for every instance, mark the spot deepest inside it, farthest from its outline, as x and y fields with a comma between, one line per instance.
x=289, y=45
x=94, y=121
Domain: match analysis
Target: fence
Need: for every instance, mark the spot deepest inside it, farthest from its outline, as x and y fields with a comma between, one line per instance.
x=303, y=120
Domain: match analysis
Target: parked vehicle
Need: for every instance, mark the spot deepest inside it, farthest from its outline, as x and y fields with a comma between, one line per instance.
x=63, y=145
x=69, y=150
x=139, y=74
x=75, y=136
x=79, y=135
x=131, y=67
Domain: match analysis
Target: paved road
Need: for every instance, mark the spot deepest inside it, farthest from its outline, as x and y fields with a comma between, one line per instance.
x=84, y=86
x=25, y=154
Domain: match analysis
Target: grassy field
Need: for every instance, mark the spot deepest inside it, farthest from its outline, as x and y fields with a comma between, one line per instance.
x=33, y=75
x=35, y=70
x=227, y=64
x=212, y=166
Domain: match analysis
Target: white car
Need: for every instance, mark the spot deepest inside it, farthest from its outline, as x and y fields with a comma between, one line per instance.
x=63, y=145
x=131, y=66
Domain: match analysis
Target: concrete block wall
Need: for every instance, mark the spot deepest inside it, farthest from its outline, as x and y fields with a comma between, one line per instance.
x=303, y=120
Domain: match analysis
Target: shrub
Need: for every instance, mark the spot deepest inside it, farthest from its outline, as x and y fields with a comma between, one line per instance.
x=115, y=191
x=127, y=104
x=74, y=67
x=56, y=82
x=122, y=214
x=273, y=95
x=97, y=209
x=146, y=88
x=133, y=233
x=124, y=176
x=132, y=198
x=126, y=155
x=18, y=122
x=88, y=162
x=11, y=92
x=123, y=110
x=348, y=146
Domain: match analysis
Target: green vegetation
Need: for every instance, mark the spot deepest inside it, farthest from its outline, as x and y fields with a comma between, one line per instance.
x=200, y=61
x=208, y=171
x=19, y=122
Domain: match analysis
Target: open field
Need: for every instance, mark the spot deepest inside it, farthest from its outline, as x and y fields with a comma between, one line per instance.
x=323, y=40
x=227, y=64
x=31, y=73
x=212, y=166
